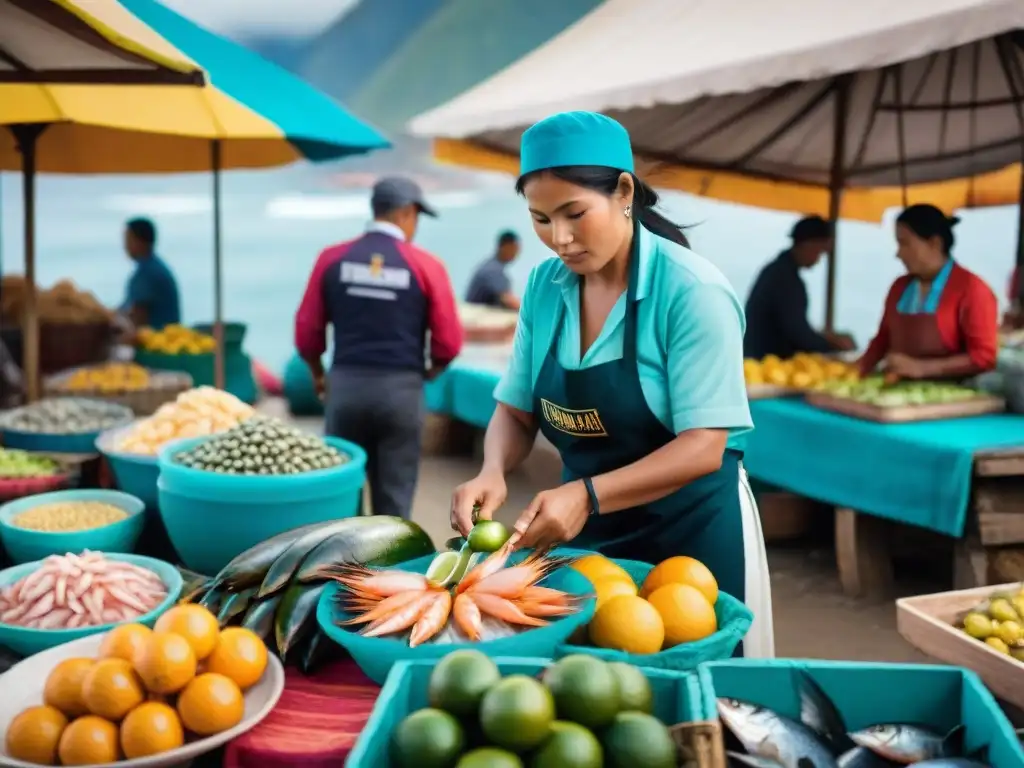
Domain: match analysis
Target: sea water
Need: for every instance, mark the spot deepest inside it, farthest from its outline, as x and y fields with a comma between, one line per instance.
x=276, y=222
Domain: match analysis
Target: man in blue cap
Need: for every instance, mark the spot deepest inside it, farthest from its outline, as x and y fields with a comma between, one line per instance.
x=490, y=284
x=383, y=298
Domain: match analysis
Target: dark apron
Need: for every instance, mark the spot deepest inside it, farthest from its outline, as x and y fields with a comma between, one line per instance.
x=599, y=421
x=917, y=335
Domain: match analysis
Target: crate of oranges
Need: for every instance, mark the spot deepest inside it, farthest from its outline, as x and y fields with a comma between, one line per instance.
x=161, y=696
x=774, y=377
x=668, y=616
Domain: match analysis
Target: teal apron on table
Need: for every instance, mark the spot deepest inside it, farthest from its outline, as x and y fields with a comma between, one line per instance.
x=599, y=421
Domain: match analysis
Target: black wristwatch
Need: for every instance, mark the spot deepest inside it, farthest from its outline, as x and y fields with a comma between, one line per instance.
x=595, y=507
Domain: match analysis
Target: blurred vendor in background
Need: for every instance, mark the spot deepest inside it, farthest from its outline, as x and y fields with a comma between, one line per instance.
x=152, y=296
x=940, y=321
x=490, y=284
x=776, y=308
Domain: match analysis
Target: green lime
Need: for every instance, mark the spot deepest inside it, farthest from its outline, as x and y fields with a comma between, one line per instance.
x=517, y=713
x=635, y=694
x=586, y=691
x=635, y=738
x=460, y=680
x=488, y=536
x=569, y=746
x=489, y=757
x=448, y=568
x=428, y=738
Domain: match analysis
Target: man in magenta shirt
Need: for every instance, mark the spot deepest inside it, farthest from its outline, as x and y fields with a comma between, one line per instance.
x=383, y=298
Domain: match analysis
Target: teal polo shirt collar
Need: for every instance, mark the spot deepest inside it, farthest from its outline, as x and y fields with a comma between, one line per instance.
x=644, y=250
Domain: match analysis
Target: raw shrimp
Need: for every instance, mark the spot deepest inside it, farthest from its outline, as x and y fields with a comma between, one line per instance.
x=403, y=618
x=506, y=610
x=467, y=616
x=432, y=620
x=493, y=564
x=369, y=583
x=381, y=609
x=510, y=583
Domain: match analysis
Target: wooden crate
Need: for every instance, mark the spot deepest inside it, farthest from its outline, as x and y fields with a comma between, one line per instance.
x=893, y=415
x=927, y=623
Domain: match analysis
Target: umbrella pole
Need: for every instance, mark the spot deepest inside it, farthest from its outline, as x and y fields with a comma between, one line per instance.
x=835, y=192
x=1019, y=288
x=218, y=293
x=26, y=136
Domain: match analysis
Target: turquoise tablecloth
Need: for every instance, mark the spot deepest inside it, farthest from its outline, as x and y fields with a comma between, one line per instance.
x=914, y=473
x=471, y=390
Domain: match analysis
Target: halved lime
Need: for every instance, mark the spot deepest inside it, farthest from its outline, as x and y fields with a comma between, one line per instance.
x=488, y=536
x=448, y=568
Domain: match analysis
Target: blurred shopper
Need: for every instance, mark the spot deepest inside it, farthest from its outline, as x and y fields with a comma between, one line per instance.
x=382, y=297
x=152, y=297
x=490, y=284
x=777, y=306
x=940, y=321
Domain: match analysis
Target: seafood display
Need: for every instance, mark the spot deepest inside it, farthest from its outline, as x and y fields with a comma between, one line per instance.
x=394, y=602
x=262, y=445
x=582, y=712
x=145, y=693
x=820, y=739
x=273, y=588
x=67, y=516
x=175, y=340
x=197, y=412
x=999, y=623
x=87, y=590
x=22, y=464
x=65, y=416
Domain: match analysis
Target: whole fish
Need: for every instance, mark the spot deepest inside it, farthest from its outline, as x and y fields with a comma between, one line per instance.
x=819, y=713
x=862, y=757
x=772, y=740
x=906, y=744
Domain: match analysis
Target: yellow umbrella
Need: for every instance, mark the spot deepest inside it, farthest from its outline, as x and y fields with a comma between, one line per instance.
x=250, y=114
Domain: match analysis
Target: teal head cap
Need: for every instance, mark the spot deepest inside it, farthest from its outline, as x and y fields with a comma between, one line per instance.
x=575, y=138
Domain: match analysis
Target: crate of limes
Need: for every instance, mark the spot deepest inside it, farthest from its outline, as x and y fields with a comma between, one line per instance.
x=471, y=711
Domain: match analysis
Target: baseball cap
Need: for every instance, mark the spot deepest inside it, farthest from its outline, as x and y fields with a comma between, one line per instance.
x=396, y=191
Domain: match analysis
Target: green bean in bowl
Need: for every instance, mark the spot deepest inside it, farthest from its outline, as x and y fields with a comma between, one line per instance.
x=22, y=464
x=262, y=445
x=66, y=416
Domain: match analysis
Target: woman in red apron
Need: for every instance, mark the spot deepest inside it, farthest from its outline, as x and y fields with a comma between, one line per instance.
x=941, y=321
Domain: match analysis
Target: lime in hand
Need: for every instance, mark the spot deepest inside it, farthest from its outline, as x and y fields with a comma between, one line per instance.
x=488, y=536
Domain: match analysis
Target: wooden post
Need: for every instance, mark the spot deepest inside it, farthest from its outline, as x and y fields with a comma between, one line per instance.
x=835, y=185
x=862, y=554
x=219, y=379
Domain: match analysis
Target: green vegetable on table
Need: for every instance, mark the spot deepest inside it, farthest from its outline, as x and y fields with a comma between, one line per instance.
x=22, y=464
x=874, y=391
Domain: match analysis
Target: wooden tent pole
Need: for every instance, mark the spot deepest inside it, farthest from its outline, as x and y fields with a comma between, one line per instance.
x=837, y=179
x=218, y=290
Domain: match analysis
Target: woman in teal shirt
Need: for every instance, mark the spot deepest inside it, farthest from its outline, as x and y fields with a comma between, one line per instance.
x=629, y=359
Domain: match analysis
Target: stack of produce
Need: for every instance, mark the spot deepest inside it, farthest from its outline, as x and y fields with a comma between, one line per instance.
x=106, y=378
x=674, y=605
x=145, y=693
x=875, y=391
x=63, y=303
x=175, y=340
x=802, y=371
x=273, y=588
x=583, y=713
x=87, y=590
x=23, y=474
x=262, y=445
x=197, y=412
x=999, y=623
x=65, y=416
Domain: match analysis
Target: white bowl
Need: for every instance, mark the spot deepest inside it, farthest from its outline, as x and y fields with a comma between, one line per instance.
x=22, y=687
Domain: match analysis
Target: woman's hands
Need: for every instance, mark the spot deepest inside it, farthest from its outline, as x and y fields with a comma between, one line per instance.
x=904, y=366
x=484, y=493
x=555, y=516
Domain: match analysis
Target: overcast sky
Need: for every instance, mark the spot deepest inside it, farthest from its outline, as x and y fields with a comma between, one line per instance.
x=286, y=17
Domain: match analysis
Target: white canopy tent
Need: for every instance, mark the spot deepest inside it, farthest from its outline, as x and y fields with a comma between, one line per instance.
x=779, y=104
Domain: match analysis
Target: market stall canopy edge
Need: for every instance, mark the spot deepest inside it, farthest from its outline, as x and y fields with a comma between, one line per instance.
x=750, y=118
x=262, y=115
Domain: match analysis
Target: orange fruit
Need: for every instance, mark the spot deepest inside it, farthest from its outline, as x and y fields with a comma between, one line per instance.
x=33, y=735
x=211, y=703
x=89, y=740
x=122, y=642
x=682, y=570
x=111, y=689
x=595, y=567
x=241, y=655
x=685, y=612
x=63, y=688
x=608, y=587
x=150, y=729
x=165, y=662
x=627, y=623
x=193, y=622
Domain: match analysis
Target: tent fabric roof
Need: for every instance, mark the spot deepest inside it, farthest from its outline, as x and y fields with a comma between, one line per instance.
x=933, y=87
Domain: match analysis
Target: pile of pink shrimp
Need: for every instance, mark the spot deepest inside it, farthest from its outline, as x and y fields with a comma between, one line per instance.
x=86, y=590
x=390, y=602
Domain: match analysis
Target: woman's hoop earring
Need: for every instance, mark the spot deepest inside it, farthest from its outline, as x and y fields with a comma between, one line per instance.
x=628, y=211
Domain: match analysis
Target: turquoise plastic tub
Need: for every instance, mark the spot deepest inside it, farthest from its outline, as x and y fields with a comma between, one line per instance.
x=133, y=473
x=24, y=545
x=866, y=694
x=377, y=655
x=734, y=619
x=51, y=442
x=210, y=517
x=677, y=699
x=29, y=641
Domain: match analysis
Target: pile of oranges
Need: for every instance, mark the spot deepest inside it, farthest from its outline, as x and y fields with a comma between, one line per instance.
x=674, y=605
x=146, y=690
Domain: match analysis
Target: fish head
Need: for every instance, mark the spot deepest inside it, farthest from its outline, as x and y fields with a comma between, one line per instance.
x=752, y=723
x=881, y=739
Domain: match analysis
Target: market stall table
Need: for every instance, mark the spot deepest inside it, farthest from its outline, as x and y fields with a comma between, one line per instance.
x=920, y=474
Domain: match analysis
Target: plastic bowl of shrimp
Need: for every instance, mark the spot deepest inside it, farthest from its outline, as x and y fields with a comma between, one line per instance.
x=64, y=598
x=518, y=604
